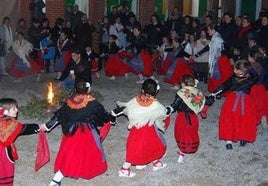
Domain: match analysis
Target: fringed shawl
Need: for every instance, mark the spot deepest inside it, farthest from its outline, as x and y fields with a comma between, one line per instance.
x=215, y=48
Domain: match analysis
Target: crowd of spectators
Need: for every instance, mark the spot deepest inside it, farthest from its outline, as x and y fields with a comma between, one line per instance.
x=239, y=33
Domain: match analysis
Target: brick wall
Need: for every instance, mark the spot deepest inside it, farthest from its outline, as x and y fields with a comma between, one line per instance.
x=96, y=12
x=54, y=9
x=24, y=11
x=147, y=8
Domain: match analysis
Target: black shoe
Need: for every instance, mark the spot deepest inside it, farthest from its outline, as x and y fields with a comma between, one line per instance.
x=57, y=183
x=229, y=146
x=242, y=143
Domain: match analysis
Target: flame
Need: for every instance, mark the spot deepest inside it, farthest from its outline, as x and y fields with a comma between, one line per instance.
x=50, y=94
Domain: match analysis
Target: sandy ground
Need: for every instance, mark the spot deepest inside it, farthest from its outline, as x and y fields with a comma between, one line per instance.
x=212, y=165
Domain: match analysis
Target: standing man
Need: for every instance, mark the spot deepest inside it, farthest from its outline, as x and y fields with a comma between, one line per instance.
x=6, y=41
x=76, y=17
x=36, y=8
x=83, y=32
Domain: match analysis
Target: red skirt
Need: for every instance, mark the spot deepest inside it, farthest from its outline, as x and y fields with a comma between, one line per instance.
x=186, y=132
x=142, y=64
x=162, y=66
x=238, y=118
x=226, y=71
x=81, y=155
x=95, y=67
x=176, y=71
x=144, y=145
x=7, y=168
x=40, y=61
x=259, y=96
x=115, y=66
x=20, y=69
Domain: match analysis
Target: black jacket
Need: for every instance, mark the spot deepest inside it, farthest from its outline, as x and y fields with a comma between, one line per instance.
x=82, y=71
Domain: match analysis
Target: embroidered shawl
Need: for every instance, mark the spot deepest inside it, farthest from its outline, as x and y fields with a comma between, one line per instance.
x=9, y=131
x=193, y=98
x=79, y=101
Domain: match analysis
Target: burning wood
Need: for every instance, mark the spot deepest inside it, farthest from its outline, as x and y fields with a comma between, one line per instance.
x=50, y=93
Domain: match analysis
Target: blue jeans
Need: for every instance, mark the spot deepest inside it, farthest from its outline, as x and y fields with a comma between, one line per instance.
x=68, y=83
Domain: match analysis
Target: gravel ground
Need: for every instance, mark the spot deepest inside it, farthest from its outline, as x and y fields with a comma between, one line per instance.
x=212, y=165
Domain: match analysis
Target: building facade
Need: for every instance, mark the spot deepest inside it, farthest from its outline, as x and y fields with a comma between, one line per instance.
x=144, y=8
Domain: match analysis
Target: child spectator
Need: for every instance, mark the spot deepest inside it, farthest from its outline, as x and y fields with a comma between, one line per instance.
x=45, y=28
x=236, y=54
x=93, y=59
x=10, y=129
x=47, y=48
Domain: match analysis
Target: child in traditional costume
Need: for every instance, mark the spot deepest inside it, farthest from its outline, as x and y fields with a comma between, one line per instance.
x=10, y=129
x=188, y=102
x=23, y=64
x=141, y=64
x=220, y=68
x=113, y=64
x=93, y=59
x=165, y=57
x=81, y=154
x=238, y=119
x=178, y=65
x=258, y=91
x=145, y=143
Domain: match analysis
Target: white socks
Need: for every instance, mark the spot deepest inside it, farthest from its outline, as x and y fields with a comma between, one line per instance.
x=181, y=157
x=57, y=178
x=140, y=76
x=126, y=165
x=228, y=142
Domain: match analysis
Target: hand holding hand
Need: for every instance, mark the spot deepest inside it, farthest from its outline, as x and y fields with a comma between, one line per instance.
x=43, y=127
x=169, y=110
